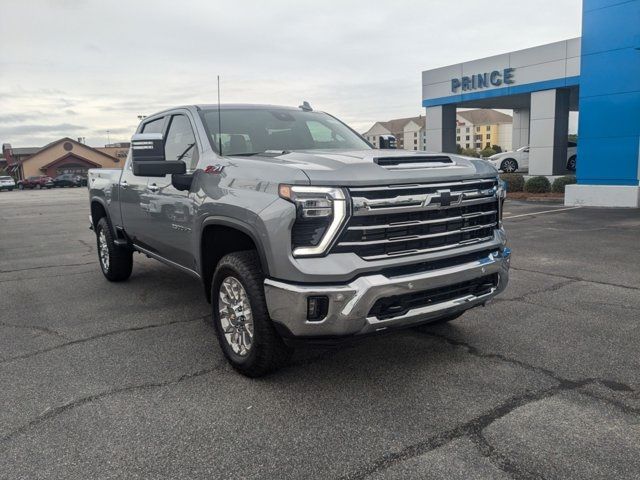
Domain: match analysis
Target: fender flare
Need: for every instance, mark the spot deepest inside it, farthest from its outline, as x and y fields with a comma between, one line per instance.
x=239, y=225
x=102, y=202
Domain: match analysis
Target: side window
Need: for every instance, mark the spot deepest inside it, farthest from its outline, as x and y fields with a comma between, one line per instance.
x=154, y=126
x=180, y=143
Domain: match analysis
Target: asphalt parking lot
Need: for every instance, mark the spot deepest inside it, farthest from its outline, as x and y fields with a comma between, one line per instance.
x=102, y=380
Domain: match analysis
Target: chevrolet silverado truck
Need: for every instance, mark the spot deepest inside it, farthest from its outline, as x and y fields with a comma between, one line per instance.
x=298, y=228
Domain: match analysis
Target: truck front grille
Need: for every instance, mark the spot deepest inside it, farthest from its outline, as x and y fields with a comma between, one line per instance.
x=410, y=219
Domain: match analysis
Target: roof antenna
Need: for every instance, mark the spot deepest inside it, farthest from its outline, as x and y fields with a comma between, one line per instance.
x=306, y=107
x=219, y=121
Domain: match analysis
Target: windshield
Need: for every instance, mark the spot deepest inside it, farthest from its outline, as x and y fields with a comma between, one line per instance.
x=255, y=130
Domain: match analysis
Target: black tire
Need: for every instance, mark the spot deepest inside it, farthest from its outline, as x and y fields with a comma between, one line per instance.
x=440, y=321
x=571, y=163
x=268, y=352
x=20, y=187
x=509, y=165
x=120, y=260
x=38, y=186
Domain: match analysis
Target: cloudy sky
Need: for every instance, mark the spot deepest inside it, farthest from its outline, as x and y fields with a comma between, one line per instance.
x=84, y=67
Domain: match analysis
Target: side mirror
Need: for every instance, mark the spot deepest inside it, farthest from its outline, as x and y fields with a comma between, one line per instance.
x=147, y=157
x=182, y=181
x=387, y=142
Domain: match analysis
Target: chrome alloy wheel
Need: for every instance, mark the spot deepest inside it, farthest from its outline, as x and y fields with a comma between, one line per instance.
x=236, y=318
x=509, y=166
x=103, y=250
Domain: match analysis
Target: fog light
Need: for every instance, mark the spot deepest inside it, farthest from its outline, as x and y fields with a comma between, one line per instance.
x=317, y=308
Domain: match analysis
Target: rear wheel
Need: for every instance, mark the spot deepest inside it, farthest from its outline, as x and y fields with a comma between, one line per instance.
x=509, y=165
x=116, y=262
x=245, y=332
x=21, y=187
x=571, y=163
x=38, y=186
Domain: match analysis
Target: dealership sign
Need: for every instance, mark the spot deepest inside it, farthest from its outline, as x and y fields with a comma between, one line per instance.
x=483, y=80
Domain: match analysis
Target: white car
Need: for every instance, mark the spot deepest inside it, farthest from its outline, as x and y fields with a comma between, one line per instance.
x=7, y=183
x=518, y=161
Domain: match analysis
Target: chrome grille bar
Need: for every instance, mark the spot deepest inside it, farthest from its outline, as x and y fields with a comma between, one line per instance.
x=408, y=238
x=422, y=185
x=360, y=209
x=412, y=223
x=417, y=251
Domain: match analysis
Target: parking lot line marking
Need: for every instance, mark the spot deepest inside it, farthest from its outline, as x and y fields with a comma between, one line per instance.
x=544, y=211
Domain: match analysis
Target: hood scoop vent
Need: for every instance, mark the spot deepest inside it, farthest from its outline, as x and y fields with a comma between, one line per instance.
x=413, y=161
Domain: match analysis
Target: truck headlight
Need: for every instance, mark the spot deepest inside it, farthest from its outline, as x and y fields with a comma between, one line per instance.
x=320, y=212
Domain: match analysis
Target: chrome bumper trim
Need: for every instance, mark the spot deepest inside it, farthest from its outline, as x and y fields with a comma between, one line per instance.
x=349, y=304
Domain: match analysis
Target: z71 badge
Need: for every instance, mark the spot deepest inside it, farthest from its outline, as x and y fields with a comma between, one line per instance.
x=214, y=169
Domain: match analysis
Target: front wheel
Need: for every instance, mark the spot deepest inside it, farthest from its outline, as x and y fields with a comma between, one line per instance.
x=509, y=165
x=571, y=164
x=20, y=187
x=116, y=262
x=245, y=332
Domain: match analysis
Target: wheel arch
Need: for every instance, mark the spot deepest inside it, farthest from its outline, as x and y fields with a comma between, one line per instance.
x=98, y=210
x=223, y=235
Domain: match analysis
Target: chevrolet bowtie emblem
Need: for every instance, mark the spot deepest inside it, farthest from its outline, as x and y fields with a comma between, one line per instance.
x=445, y=198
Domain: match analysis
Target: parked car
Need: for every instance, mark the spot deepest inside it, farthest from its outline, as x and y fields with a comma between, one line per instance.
x=37, y=182
x=298, y=229
x=68, y=180
x=7, y=183
x=518, y=160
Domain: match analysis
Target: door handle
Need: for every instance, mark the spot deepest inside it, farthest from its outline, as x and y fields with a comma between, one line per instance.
x=153, y=188
x=124, y=184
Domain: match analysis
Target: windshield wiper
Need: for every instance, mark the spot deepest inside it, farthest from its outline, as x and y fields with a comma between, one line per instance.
x=186, y=150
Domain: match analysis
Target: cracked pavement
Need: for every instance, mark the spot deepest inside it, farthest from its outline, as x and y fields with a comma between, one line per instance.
x=103, y=380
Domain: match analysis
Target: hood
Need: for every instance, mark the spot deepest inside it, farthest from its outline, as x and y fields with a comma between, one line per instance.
x=379, y=167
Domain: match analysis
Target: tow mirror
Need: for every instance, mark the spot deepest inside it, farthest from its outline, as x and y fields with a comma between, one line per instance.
x=387, y=142
x=147, y=157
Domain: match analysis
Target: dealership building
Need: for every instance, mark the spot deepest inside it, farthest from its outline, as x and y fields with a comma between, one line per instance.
x=597, y=75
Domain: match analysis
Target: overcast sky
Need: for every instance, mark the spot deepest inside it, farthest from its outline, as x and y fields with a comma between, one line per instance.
x=79, y=68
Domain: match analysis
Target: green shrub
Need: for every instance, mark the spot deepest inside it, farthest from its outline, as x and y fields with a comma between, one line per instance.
x=470, y=152
x=487, y=152
x=561, y=182
x=537, y=185
x=515, y=181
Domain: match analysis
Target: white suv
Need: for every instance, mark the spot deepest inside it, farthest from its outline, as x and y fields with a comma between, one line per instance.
x=519, y=160
x=7, y=183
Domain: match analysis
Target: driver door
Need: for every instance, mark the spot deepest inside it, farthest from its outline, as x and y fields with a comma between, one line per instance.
x=171, y=210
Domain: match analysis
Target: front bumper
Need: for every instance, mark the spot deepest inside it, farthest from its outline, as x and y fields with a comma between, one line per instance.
x=350, y=304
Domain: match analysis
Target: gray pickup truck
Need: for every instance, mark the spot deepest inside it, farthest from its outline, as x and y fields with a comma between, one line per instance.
x=298, y=229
